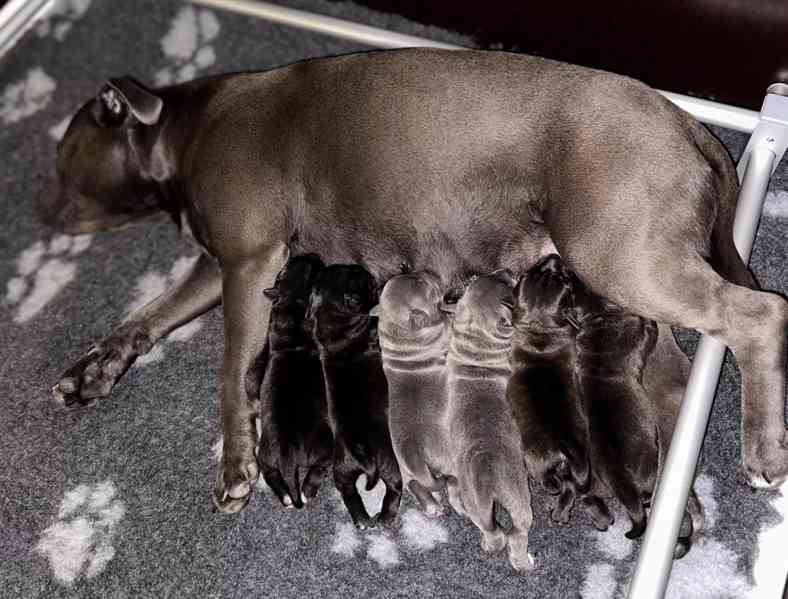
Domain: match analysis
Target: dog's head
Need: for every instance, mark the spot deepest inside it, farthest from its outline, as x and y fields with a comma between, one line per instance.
x=485, y=309
x=104, y=181
x=409, y=304
x=545, y=296
x=341, y=299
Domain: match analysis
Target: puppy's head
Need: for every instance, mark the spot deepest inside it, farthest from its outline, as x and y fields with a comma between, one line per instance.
x=290, y=296
x=102, y=182
x=342, y=295
x=485, y=309
x=545, y=295
x=409, y=304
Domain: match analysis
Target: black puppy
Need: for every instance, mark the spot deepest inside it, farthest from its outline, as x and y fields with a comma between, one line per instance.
x=296, y=442
x=542, y=390
x=612, y=348
x=356, y=387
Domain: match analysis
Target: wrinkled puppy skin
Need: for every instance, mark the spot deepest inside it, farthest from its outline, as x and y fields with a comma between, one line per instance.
x=414, y=341
x=612, y=349
x=346, y=334
x=486, y=446
x=296, y=442
x=543, y=394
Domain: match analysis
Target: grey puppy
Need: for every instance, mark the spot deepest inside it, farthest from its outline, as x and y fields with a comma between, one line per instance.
x=543, y=393
x=486, y=447
x=453, y=162
x=414, y=341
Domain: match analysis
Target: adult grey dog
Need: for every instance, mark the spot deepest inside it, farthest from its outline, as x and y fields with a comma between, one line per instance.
x=455, y=162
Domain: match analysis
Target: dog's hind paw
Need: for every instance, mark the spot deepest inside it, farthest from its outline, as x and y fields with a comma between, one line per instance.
x=767, y=466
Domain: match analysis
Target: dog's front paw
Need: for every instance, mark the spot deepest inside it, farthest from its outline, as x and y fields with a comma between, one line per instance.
x=766, y=463
x=234, y=482
x=95, y=374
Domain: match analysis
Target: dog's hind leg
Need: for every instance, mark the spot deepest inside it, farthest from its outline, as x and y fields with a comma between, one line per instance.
x=672, y=283
x=516, y=499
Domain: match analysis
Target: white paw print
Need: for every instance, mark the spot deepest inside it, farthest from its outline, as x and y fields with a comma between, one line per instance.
x=43, y=270
x=151, y=285
x=26, y=97
x=61, y=17
x=79, y=543
x=417, y=532
x=187, y=46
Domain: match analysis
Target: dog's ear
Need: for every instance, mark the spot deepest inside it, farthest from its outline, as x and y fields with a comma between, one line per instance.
x=271, y=293
x=375, y=311
x=124, y=98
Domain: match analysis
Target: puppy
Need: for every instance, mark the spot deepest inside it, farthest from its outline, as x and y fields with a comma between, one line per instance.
x=414, y=341
x=542, y=391
x=485, y=442
x=356, y=388
x=295, y=436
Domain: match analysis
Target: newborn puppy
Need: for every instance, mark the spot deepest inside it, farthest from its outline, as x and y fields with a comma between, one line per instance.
x=612, y=349
x=296, y=443
x=542, y=391
x=485, y=442
x=414, y=341
x=356, y=388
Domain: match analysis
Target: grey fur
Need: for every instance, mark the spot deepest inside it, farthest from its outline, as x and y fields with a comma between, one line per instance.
x=454, y=162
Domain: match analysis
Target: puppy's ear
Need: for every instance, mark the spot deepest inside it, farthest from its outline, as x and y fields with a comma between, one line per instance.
x=271, y=293
x=375, y=311
x=448, y=308
x=123, y=99
x=505, y=275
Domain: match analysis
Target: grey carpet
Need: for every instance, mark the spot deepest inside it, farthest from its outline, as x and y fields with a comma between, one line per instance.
x=113, y=500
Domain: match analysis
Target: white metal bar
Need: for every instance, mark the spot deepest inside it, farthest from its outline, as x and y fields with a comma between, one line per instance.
x=16, y=17
x=713, y=113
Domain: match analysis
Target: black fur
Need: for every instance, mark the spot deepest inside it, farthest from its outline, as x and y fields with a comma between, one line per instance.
x=296, y=442
x=542, y=390
x=356, y=388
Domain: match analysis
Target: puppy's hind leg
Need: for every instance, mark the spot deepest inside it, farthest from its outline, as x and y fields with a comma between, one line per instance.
x=346, y=473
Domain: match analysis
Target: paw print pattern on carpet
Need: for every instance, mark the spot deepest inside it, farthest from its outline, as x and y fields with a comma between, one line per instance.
x=416, y=532
x=26, y=97
x=43, y=270
x=61, y=18
x=609, y=579
x=149, y=287
x=79, y=543
x=187, y=46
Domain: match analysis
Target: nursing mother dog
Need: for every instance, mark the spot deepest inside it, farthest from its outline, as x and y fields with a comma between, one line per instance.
x=453, y=162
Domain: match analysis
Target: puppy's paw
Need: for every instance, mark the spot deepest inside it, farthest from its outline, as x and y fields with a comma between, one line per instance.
x=234, y=483
x=433, y=510
x=766, y=463
x=95, y=374
x=364, y=522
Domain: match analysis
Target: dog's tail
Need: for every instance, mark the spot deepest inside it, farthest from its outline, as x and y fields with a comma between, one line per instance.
x=723, y=189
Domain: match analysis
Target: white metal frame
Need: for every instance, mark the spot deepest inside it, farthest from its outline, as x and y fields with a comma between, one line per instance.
x=765, y=150
x=16, y=17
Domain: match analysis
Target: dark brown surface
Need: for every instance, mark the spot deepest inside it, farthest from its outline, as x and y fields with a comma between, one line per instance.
x=724, y=50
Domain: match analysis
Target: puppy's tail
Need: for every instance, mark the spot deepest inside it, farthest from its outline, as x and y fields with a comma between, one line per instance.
x=723, y=189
